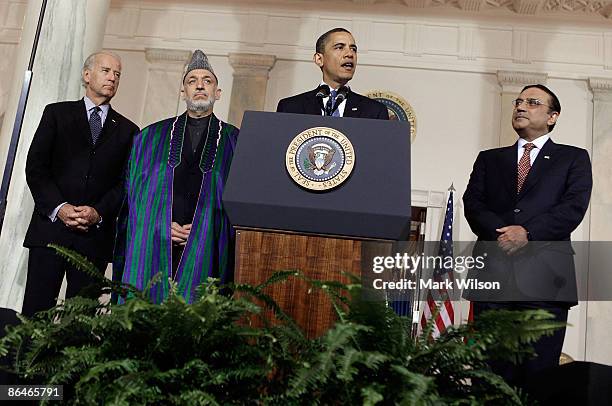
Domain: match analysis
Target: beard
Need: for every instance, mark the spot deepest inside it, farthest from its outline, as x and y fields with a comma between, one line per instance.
x=200, y=105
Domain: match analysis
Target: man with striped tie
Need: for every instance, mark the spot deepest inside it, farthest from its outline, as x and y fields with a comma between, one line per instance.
x=75, y=170
x=523, y=202
x=173, y=221
x=336, y=56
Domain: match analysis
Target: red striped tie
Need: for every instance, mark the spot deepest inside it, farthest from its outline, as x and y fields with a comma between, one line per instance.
x=524, y=166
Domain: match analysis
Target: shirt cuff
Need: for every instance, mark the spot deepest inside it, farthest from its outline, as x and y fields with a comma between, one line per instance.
x=53, y=215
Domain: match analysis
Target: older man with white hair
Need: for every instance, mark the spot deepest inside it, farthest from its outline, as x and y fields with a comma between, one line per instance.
x=75, y=171
x=173, y=220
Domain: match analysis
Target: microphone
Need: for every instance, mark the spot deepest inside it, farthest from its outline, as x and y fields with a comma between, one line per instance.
x=323, y=91
x=341, y=95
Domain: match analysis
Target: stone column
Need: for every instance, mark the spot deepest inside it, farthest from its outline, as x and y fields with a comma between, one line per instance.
x=162, y=95
x=72, y=29
x=511, y=83
x=3, y=98
x=251, y=72
x=599, y=316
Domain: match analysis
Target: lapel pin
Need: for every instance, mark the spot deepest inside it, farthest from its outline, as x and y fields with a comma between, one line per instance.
x=354, y=109
x=546, y=157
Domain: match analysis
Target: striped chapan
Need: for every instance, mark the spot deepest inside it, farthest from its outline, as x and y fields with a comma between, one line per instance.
x=144, y=245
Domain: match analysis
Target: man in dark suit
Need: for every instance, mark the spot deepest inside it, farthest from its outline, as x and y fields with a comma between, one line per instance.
x=75, y=170
x=527, y=199
x=336, y=55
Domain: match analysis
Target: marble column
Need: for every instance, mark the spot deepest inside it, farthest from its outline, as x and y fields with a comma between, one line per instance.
x=3, y=98
x=599, y=314
x=251, y=72
x=511, y=83
x=6, y=55
x=72, y=29
x=162, y=95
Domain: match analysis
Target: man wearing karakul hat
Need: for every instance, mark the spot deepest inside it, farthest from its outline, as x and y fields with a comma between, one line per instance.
x=172, y=220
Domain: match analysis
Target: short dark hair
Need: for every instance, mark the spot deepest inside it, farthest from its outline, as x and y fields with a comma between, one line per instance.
x=322, y=41
x=554, y=100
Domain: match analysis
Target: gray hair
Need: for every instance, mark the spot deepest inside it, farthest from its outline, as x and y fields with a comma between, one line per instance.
x=91, y=60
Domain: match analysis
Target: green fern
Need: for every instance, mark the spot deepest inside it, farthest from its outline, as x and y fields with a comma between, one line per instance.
x=205, y=353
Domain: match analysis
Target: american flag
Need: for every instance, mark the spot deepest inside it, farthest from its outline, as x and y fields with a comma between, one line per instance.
x=438, y=300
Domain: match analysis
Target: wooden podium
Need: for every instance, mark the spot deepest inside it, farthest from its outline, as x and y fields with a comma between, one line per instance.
x=260, y=253
x=281, y=226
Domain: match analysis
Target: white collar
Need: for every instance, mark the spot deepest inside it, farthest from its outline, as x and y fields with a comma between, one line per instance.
x=538, y=142
x=323, y=83
x=90, y=105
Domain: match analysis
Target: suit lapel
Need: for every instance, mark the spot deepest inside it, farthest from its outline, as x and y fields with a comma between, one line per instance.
x=110, y=125
x=312, y=104
x=351, y=108
x=82, y=124
x=543, y=162
x=508, y=167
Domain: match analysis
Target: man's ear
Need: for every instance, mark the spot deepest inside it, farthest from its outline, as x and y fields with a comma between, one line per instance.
x=553, y=118
x=86, y=75
x=217, y=94
x=318, y=59
x=182, y=93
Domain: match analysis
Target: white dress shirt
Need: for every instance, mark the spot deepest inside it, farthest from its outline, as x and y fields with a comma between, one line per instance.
x=89, y=106
x=538, y=142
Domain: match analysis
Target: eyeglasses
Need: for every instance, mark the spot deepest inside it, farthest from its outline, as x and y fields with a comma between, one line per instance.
x=531, y=103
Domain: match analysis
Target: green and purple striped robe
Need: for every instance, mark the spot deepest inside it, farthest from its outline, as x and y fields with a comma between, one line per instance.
x=144, y=245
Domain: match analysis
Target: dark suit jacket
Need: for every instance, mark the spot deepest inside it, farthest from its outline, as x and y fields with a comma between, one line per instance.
x=64, y=166
x=357, y=106
x=552, y=203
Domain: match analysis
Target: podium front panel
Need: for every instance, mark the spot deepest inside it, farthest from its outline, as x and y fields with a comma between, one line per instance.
x=374, y=202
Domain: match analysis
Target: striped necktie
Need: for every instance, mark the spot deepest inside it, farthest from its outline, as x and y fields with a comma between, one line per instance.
x=331, y=101
x=524, y=166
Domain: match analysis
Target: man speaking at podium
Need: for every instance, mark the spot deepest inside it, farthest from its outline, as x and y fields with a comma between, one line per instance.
x=336, y=56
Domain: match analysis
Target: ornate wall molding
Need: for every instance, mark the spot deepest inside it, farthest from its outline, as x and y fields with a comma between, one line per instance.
x=600, y=84
x=251, y=73
x=601, y=89
x=594, y=8
x=471, y=5
x=514, y=79
x=167, y=56
x=566, y=50
x=527, y=7
x=247, y=64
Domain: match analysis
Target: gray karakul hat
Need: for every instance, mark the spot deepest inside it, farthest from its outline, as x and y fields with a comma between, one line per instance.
x=199, y=60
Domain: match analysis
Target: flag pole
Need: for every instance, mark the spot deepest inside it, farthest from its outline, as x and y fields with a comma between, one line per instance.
x=429, y=300
x=416, y=298
x=23, y=100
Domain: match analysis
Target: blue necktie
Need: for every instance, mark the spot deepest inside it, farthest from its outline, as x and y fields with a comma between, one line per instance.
x=330, y=105
x=95, y=124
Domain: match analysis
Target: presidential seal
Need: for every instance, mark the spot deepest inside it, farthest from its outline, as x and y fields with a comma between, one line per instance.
x=399, y=109
x=320, y=158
